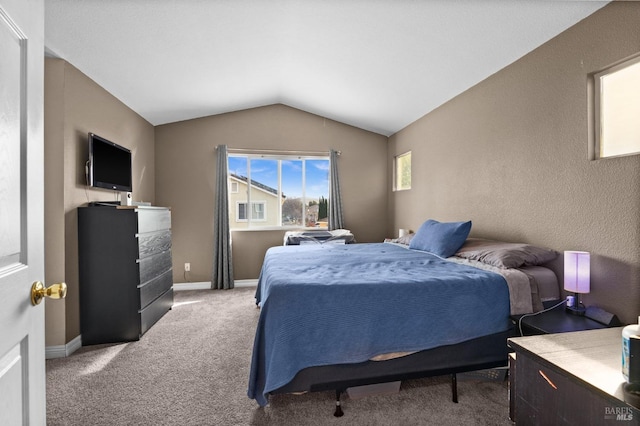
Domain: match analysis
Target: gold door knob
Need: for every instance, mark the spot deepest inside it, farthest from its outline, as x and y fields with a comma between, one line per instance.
x=54, y=291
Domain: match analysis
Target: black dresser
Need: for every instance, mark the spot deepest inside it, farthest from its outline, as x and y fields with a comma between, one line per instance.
x=126, y=277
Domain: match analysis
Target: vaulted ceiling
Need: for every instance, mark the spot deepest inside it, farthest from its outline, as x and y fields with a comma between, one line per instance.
x=375, y=64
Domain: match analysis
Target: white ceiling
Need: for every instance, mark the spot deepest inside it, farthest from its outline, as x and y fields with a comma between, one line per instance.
x=374, y=64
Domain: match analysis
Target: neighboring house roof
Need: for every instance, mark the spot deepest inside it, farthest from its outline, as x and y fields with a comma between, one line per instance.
x=257, y=184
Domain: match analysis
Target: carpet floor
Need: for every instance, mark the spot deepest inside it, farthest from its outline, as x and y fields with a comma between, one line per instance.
x=192, y=368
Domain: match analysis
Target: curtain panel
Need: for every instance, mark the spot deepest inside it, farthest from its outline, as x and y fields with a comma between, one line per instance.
x=222, y=276
x=335, y=201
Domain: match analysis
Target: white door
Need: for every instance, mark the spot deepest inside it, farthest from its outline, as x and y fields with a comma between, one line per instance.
x=22, y=368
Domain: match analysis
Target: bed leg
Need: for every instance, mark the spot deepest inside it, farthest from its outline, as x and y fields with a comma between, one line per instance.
x=338, y=412
x=454, y=388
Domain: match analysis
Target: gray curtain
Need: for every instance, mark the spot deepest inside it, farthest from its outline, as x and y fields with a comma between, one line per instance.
x=335, y=202
x=222, y=277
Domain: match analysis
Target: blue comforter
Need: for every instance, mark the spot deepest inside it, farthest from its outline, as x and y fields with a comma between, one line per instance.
x=336, y=304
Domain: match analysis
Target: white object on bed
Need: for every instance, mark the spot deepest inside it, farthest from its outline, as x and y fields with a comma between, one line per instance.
x=313, y=236
x=314, y=241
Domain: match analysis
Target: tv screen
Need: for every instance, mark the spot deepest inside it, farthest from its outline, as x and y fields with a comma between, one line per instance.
x=109, y=164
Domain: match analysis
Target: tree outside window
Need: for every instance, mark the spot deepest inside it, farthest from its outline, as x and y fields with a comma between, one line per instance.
x=402, y=172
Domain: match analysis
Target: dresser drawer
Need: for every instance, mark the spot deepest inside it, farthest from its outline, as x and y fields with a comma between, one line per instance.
x=153, y=312
x=151, y=243
x=152, y=266
x=151, y=290
x=150, y=220
x=545, y=396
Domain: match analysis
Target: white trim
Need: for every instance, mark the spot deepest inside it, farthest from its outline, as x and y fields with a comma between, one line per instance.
x=207, y=285
x=63, y=351
x=191, y=286
x=246, y=283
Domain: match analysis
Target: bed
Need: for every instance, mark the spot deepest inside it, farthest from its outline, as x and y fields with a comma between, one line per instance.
x=337, y=316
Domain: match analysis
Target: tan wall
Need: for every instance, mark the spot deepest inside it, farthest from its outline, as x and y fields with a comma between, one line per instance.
x=185, y=176
x=512, y=155
x=74, y=106
x=54, y=194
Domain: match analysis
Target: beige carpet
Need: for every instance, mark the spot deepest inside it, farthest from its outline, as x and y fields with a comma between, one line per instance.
x=192, y=368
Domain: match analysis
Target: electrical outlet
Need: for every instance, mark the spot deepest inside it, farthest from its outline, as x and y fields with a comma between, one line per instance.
x=187, y=267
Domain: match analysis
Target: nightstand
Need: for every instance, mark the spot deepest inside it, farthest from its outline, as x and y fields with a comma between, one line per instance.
x=556, y=320
x=569, y=379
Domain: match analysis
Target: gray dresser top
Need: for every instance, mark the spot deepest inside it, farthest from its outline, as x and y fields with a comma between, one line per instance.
x=592, y=356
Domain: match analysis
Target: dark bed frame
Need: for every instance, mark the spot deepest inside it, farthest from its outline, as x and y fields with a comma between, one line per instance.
x=477, y=354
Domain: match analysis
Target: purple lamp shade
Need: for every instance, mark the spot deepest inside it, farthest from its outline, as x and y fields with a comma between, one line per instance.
x=577, y=271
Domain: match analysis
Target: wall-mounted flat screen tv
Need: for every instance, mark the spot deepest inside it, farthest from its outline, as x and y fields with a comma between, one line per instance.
x=109, y=164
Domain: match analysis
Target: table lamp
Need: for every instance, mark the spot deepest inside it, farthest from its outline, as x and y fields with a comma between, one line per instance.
x=577, y=277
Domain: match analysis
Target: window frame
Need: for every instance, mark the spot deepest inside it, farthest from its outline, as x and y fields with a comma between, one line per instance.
x=597, y=108
x=280, y=158
x=396, y=170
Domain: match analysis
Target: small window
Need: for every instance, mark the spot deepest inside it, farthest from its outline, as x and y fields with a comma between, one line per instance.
x=617, y=110
x=257, y=211
x=402, y=172
x=234, y=187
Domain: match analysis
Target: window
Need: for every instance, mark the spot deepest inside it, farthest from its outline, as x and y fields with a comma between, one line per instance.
x=402, y=172
x=257, y=211
x=283, y=191
x=234, y=187
x=617, y=108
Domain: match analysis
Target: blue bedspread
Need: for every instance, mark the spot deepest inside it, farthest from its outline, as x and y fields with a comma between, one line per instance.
x=336, y=304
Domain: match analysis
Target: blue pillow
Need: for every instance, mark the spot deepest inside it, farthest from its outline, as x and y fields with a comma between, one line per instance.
x=441, y=238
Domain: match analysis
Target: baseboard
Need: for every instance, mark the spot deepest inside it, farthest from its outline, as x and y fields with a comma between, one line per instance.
x=207, y=285
x=191, y=286
x=62, y=351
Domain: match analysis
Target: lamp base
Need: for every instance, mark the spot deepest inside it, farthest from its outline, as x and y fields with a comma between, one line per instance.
x=576, y=310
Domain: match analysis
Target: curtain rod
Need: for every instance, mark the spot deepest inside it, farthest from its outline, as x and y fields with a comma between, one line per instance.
x=276, y=152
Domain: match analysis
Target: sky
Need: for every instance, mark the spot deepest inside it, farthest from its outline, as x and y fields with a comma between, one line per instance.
x=265, y=171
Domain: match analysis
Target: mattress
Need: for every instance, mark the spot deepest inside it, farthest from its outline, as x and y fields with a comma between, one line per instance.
x=546, y=281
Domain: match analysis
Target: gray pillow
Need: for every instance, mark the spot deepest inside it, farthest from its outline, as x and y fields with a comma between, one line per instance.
x=505, y=255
